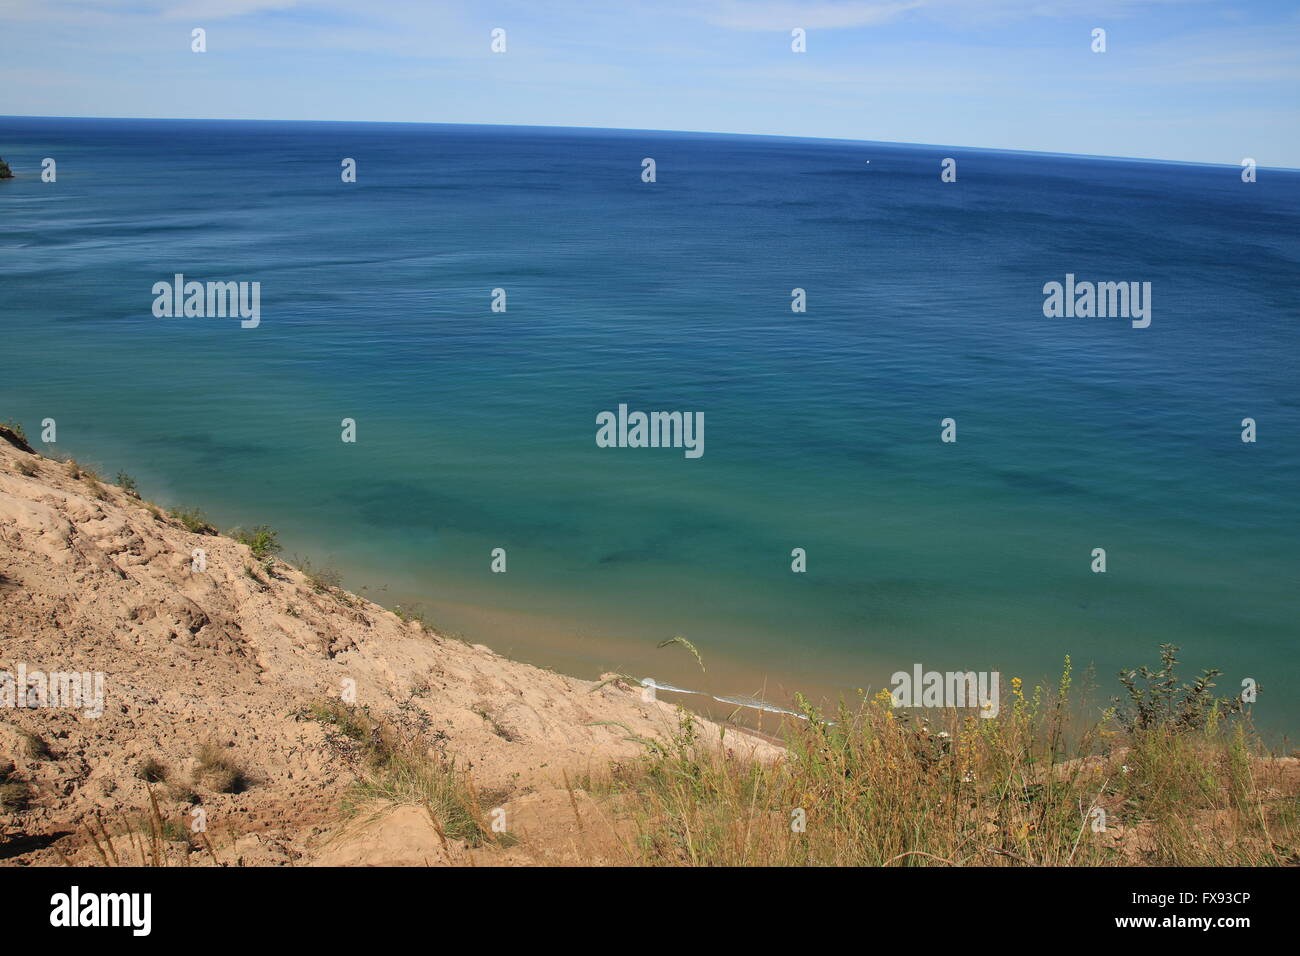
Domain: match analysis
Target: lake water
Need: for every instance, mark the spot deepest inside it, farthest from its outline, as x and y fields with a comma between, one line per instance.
x=476, y=429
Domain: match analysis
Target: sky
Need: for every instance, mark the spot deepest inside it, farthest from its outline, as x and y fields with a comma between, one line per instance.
x=1189, y=80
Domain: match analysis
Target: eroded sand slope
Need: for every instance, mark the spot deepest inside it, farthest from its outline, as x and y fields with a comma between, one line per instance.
x=94, y=580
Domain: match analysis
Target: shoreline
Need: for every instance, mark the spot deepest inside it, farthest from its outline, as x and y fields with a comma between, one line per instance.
x=733, y=691
x=579, y=646
x=315, y=727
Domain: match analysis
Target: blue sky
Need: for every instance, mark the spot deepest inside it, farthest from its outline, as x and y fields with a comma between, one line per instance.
x=1195, y=80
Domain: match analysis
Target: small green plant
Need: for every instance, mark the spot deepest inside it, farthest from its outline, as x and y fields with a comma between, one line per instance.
x=322, y=580
x=173, y=831
x=15, y=427
x=127, y=484
x=686, y=644
x=352, y=722
x=408, y=613
x=263, y=541
x=505, y=733
x=413, y=612
x=193, y=520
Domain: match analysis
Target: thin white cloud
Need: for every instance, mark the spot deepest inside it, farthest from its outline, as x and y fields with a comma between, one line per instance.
x=100, y=11
x=224, y=9
x=827, y=15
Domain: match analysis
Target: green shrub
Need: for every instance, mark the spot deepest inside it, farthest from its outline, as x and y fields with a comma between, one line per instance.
x=193, y=520
x=263, y=541
x=1163, y=702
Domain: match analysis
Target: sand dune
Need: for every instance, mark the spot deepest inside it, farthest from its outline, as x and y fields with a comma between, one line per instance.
x=94, y=580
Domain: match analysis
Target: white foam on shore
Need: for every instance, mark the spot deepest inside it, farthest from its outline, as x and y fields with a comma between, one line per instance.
x=753, y=703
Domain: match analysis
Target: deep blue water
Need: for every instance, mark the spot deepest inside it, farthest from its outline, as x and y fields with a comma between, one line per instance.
x=477, y=429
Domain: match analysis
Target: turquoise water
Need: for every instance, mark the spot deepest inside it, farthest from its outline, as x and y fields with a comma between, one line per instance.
x=476, y=429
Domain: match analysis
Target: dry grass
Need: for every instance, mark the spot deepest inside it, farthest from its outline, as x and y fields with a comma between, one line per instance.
x=144, y=839
x=193, y=520
x=151, y=770
x=870, y=785
x=398, y=762
x=877, y=786
x=217, y=770
x=15, y=795
x=30, y=745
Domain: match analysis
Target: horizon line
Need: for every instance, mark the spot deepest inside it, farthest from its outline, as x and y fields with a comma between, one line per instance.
x=621, y=129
